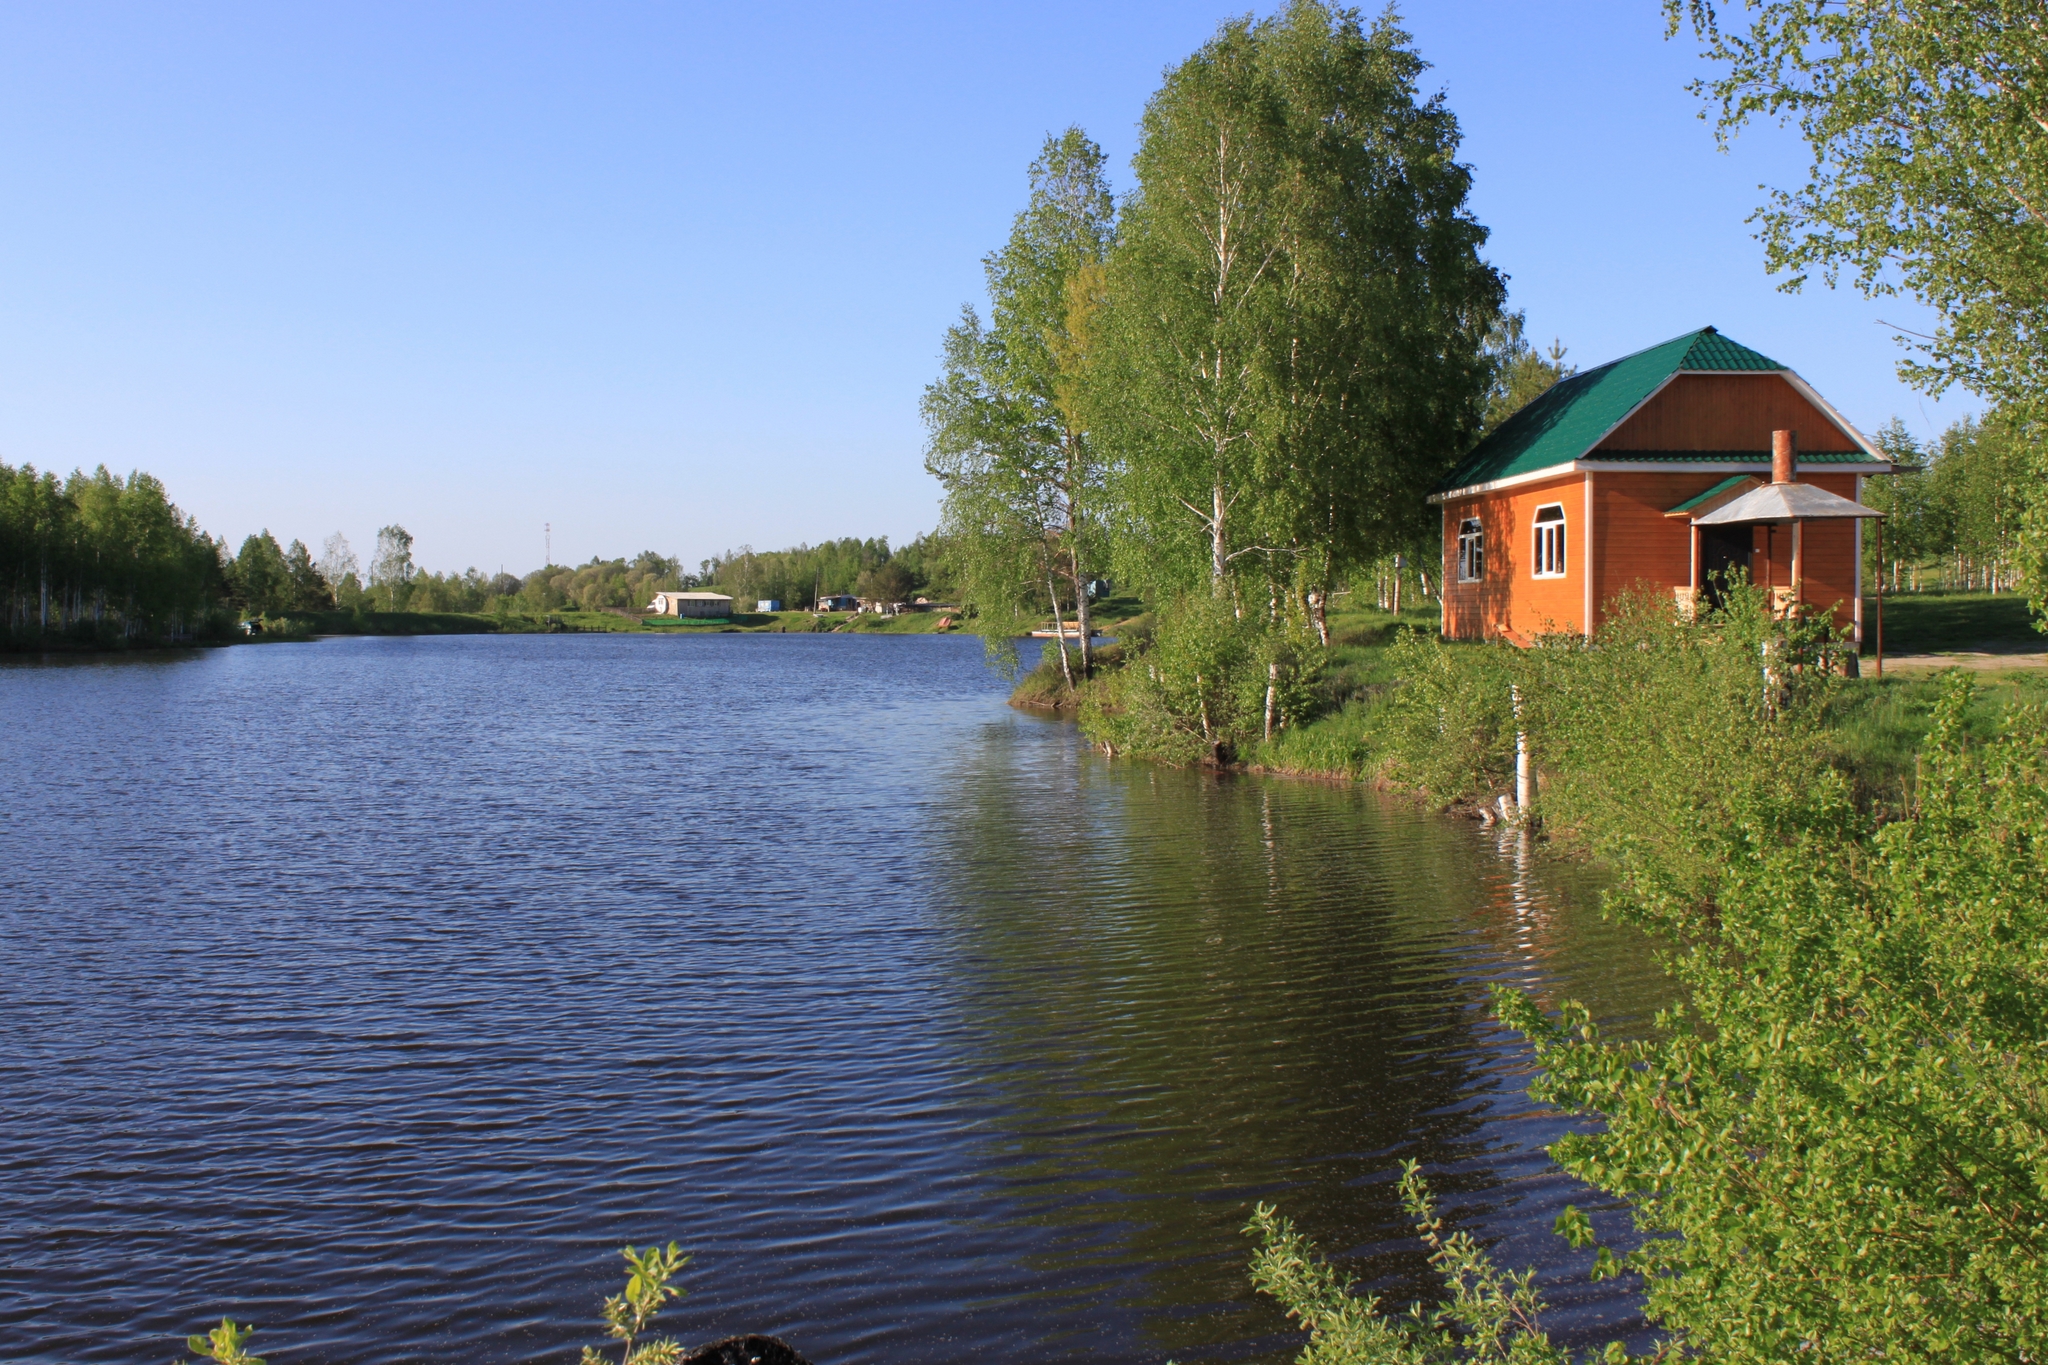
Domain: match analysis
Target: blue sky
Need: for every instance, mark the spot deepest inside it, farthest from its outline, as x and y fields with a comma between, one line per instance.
x=673, y=276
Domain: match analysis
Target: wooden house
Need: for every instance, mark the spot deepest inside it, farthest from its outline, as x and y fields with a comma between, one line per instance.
x=1612, y=480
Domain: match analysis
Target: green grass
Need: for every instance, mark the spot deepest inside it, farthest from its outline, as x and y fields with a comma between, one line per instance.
x=1944, y=623
x=406, y=623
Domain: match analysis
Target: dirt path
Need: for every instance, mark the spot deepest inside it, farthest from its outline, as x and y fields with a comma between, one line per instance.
x=1979, y=661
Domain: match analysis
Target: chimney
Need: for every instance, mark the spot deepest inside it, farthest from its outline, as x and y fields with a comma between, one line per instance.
x=1781, y=455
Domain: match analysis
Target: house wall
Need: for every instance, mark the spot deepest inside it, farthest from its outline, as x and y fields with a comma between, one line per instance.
x=1632, y=545
x=1510, y=600
x=1636, y=543
x=1726, y=412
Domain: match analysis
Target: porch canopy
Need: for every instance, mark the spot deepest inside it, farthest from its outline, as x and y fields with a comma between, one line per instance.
x=1794, y=502
x=1771, y=504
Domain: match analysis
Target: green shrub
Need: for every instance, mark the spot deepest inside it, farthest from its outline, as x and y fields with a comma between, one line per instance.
x=1196, y=686
x=1846, y=1128
x=1489, y=1315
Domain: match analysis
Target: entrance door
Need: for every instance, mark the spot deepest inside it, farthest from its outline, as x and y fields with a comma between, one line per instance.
x=1723, y=549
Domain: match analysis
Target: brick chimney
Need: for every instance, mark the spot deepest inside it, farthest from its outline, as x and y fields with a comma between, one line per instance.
x=1782, y=443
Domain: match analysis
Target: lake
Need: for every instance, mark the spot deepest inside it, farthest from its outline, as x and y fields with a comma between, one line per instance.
x=378, y=990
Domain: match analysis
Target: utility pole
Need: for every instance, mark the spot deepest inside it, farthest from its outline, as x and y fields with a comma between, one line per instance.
x=547, y=532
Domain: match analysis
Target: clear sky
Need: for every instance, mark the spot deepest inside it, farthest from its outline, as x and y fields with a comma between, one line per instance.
x=673, y=276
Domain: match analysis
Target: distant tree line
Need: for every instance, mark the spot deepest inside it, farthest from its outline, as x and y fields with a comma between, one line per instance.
x=99, y=555
x=1957, y=508
x=798, y=577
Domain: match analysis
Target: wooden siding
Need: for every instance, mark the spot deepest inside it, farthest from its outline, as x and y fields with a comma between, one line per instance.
x=1510, y=600
x=1633, y=545
x=1638, y=544
x=1726, y=412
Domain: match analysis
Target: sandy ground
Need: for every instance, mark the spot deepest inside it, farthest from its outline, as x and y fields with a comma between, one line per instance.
x=1991, y=660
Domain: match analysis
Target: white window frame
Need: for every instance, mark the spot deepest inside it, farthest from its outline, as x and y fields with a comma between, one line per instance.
x=1471, y=550
x=1548, y=542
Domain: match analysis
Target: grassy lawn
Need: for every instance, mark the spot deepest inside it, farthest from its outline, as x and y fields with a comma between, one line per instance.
x=1944, y=623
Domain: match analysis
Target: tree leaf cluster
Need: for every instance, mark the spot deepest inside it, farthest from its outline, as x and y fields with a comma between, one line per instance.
x=1487, y=1316
x=1297, y=312
x=1959, y=507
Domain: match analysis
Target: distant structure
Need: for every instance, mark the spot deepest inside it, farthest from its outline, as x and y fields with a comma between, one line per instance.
x=838, y=602
x=768, y=604
x=709, y=605
x=1650, y=470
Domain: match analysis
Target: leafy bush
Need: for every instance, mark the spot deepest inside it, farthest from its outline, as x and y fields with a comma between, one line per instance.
x=1645, y=739
x=1196, y=686
x=1489, y=1314
x=1847, y=1126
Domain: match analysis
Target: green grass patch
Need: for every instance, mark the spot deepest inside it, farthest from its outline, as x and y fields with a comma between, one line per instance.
x=1949, y=622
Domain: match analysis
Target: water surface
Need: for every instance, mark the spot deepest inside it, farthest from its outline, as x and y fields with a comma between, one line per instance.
x=378, y=990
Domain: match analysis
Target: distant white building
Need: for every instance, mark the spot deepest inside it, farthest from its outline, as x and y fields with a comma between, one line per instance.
x=702, y=604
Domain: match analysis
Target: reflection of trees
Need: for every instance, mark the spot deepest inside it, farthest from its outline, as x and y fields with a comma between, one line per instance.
x=1194, y=992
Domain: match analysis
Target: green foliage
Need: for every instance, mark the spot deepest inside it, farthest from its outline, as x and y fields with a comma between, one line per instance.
x=1956, y=515
x=1196, y=688
x=627, y=1313
x=224, y=1344
x=1293, y=340
x=1656, y=732
x=626, y=1317
x=102, y=558
x=1845, y=1126
x=1488, y=1315
x=1521, y=373
x=265, y=581
x=1928, y=126
x=890, y=582
x=392, y=570
x=1448, y=729
x=798, y=576
x=1927, y=122
x=1025, y=483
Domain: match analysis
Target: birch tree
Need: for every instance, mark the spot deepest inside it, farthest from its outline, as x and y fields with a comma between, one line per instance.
x=1008, y=424
x=1297, y=306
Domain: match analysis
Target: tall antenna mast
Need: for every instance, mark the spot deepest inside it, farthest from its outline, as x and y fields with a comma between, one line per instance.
x=547, y=531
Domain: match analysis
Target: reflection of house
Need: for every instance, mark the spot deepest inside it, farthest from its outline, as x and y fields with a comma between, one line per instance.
x=838, y=601
x=703, y=604
x=1629, y=474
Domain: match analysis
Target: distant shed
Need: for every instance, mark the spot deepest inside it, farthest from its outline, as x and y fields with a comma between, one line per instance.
x=700, y=604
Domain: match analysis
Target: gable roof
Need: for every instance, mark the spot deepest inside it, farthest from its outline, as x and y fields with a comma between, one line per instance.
x=1574, y=415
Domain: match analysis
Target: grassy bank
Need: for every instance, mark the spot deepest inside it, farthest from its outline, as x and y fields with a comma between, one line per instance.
x=1872, y=727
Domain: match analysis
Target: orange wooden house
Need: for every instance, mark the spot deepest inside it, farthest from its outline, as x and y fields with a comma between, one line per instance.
x=1601, y=485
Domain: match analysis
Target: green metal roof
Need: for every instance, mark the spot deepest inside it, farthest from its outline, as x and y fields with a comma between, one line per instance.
x=1573, y=415
x=1715, y=491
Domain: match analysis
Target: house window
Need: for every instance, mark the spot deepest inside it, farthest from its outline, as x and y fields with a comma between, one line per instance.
x=1471, y=551
x=1549, y=556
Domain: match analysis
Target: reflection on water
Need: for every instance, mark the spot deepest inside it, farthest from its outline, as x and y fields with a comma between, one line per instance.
x=378, y=990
